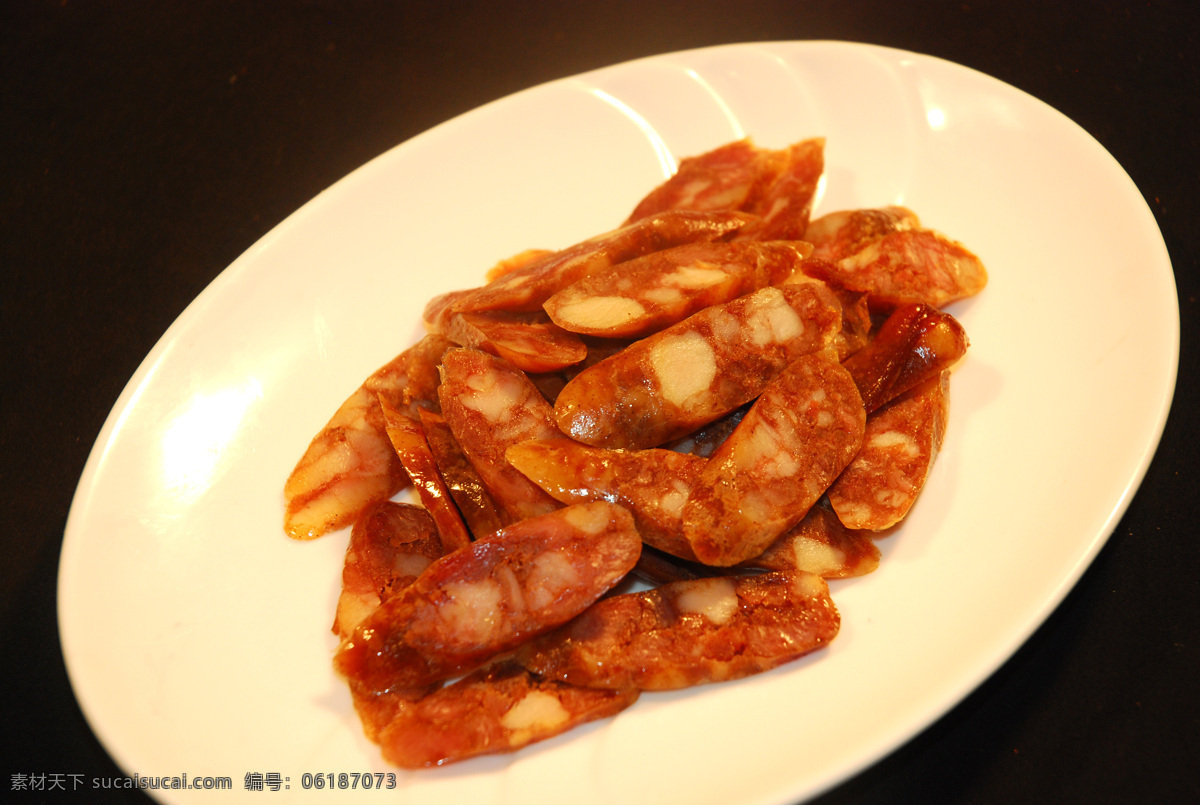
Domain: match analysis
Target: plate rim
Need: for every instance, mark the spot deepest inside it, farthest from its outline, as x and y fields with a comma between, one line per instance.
x=121, y=407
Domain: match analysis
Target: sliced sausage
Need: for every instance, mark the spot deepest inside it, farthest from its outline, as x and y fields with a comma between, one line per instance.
x=902, y=441
x=491, y=596
x=653, y=484
x=840, y=234
x=412, y=448
x=526, y=288
x=491, y=405
x=915, y=343
x=821, y=544
x=390, y=545
x=350, y=464
x=673, y=382
x=689, y=633
x=647, y=294
x=495, y=709
x=793, y=442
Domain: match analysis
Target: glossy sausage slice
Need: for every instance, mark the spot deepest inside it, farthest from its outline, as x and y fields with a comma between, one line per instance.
x=785, y=207
x=491, y=405
x=821, y=544
x=412, y=448
x=910, y=266
x=653, y=484
x=673, y=382
x=529, y=341
x=791, y=445
x=902, y=441
x=729, y=177
x=840, y=234
x=478, y=509
x=645, y=295
x=491, y=596
x=390, y=545
x=350, y=464
x=495, y=709
x=776, y=186
x=526, y=288
x=915, y=343
x=856, y=313
x=689, y=633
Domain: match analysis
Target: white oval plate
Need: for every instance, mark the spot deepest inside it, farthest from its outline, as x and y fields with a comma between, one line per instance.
x=197, y=635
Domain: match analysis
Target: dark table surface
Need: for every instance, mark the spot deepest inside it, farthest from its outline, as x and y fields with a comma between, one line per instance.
x=144, y=146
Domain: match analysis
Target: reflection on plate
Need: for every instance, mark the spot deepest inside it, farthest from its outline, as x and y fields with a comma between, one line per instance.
x=197, y=635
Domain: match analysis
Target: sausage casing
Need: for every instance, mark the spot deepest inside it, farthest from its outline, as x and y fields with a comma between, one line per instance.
x=671, y=383
x=791, y=445
x=901, y=444
x=490, y=405
x=491, y=596
x=689, y=633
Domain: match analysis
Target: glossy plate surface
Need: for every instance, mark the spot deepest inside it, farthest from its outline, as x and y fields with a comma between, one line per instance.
x=197, y=635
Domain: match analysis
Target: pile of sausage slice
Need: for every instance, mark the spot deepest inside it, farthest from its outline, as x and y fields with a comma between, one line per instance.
x=720, y=397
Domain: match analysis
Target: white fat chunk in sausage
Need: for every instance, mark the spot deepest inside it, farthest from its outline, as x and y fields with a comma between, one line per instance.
x=851, y=512
x=756, y=506
x=339, y=460
x=492, y=395
x=515, y=280
x=472, y=609
x=772, y=319
x=672, y=502
x=553, y=574
x=893, y=438
x=662, y=296
x=809, y=585
x=726, y=327
x=695, y=277
x=537, y=712
x=892, y=498
x=816, y=556
x=352, y=609
x=599, y=312
x=685, y=366
x=691, y=190
x=762, y=452
x=716, y=599
x=410, y=564
x=590, y=519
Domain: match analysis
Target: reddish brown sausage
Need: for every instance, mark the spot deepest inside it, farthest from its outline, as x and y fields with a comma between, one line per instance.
x=673, y=382
x=642, y=296
x=910, y=266
x=491, y=596
x=529, y=341
x=902, y=441
x=408, y=440
x=914, y=344
x=821, y=544
x=390, y=545
x=841, y=234
x=526, y=288
x=689, y=633
x=793, y=443
x=653, y=484
x=474, y=503
x=496, y=709
x=729, y=177
x=491, y=405
x=350, y=464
